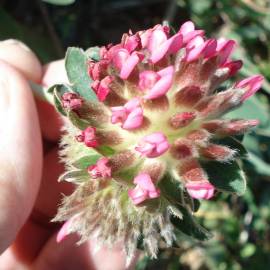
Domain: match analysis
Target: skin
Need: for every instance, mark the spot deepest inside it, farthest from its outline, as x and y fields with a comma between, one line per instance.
x=29, y=191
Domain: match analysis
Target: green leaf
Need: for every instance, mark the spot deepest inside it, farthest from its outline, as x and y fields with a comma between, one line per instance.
x=76, y=67
x=227, y=177
x=93, y=53
x=60, y=2
x=233, y=144
x=260, y=166
x=189, y=226
x=84, y=162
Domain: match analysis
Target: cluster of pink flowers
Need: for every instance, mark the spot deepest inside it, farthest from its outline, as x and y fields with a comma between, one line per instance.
x=153, y=68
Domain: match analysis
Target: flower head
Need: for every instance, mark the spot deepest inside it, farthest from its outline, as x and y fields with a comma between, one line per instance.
x=156, y=139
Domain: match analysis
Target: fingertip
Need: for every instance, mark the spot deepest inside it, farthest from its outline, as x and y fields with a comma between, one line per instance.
x=18, y=55
x=54, y=73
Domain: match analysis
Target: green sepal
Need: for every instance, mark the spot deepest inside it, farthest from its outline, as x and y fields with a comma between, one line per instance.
x=75, y=176
x=228, y=177
x=84, y=162
x=57, y=91
x=189, y=226
x=77, y=121
x=77, y=72
x=234, y=144
x=105, y=150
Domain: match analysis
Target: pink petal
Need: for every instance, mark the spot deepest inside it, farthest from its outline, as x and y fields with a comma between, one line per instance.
x=210, y=48
x=134, y=119
x=118, y=114
x=157, y=37
x=233, y=66
x=194, y=49
x=160, y=88
x=120, y=57
x=137, y=195
x=200, y=190
x=156, y=137
x=64, y=231
x=225, y=51
x=166, y=71
x=144, y=181
x=129, y=65
x=189, y=36
x=132, y=104
x=172, y=45
x=187, y=27
x=147, y=79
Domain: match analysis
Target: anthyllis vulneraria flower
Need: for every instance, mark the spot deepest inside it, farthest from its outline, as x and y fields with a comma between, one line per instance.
x=146, y=136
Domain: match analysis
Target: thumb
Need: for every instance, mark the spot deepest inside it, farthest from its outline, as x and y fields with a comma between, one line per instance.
x=20, y=153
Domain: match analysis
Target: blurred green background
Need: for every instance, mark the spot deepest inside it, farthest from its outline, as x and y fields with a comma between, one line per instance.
x=241, y=225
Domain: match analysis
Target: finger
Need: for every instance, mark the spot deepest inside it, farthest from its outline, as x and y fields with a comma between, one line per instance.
x=20, y=153
x=67, y=255
x=50, y=121
x=51, y=191
x=18, y=55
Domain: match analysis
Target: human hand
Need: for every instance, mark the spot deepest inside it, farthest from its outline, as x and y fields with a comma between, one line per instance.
x=29, y=192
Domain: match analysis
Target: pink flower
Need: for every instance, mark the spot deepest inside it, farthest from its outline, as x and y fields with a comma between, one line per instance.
x=125, y=61
x=159, y=45
x=96, y=69
x=130, y=115
x=252, y=85
x=88, y=136
x=100, y=169
x=145, y=189
x=101, y=88
x=200, y=190
x=188, y=32
x=71, y=101
x=156, y=84
x=131, y=42
x=153, y=145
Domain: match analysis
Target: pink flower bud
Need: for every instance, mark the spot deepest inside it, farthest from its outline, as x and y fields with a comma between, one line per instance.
x=251, y=84
x=224, y=50
x=218, y=152
x=71, y=101
x=130, y=115
x=233, y=67
x=100, y=169
x=203, y=190
x=188, y=32
x=156, y=84
x=145, y=189
x=101, y=88
x=88, y=136
x=64, y=231
x=153, y=145
x=182, y=119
